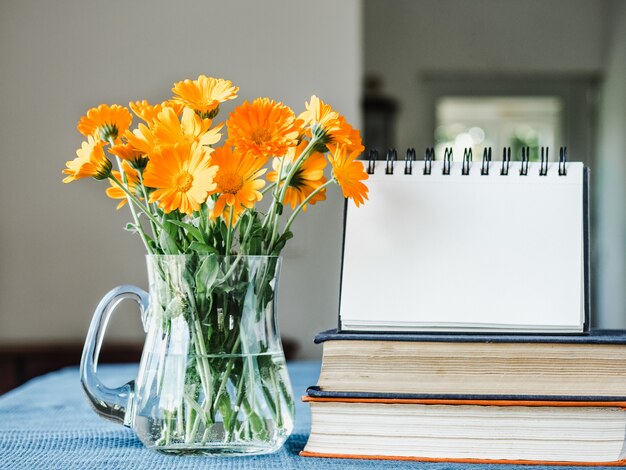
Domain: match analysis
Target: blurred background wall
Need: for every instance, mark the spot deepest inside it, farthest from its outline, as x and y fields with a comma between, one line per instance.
x=62, y=247
x=415, y=46
x=610, y=180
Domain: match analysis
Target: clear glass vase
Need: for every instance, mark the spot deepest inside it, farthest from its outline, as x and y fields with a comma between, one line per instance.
x=212, y=378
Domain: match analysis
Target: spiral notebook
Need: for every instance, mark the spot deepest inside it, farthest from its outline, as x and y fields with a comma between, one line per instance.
x=469, y=247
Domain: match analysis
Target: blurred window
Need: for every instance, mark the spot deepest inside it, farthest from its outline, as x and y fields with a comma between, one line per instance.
x=497, y=122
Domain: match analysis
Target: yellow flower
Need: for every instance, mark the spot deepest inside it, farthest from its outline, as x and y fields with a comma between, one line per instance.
x=105, y=122
x=176, y=106
x=354, y=136
x=306, y=179
x=141, y=140
x=349, y=174
x=238, y=181
x=205, y=94
x=325, y=124
x=182, y=176
x=128, y=153
x=263, y=128
x=145, y=111
x=132, y=179
x=168, y=130
x=90, y=161
x=149, y=112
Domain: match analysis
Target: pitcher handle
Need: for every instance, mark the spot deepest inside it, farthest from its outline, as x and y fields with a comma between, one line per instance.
x=114, y=404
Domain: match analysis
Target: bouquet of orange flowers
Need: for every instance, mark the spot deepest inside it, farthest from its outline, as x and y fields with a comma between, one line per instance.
x=214, y=377
x=193, y=192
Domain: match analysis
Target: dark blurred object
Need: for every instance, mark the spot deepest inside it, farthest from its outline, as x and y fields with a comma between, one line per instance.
x=22, y=362
x=379, y=116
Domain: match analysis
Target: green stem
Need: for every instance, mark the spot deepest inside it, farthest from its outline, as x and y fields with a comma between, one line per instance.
x=203, y=368
x=133, y=212
x=225, y=377
x=279, y=415
x=267, y=188
x=145, y=196
x=292, y=171
x=276, y=185
x=304, y=203
x=283, y=190
x=144, y=209
x=237, y=260
x=229, y=233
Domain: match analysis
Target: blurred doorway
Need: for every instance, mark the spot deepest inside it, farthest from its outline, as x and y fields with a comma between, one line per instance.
x=513, y=111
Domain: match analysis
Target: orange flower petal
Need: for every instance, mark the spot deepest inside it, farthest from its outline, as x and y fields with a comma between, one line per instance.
x=263, y=128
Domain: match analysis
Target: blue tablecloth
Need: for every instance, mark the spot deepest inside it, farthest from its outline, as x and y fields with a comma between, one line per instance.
x=48, y=424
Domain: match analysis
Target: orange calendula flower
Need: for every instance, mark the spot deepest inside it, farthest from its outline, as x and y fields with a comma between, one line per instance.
x=105, y=122
x=354, y=136
x=141, y=140
x=349, y=174
x=145, y=111
x=132, y=180
x=205, y=94
x=149, y=112
x=263, y=128
x=182, y=176
x=128, y=153
x=238, y=181
x=324, y=123
x=306, y=179
x=90, y=161
x=176, y=106
x=169, y=130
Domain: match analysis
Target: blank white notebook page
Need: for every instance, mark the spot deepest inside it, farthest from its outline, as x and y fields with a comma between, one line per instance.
x=466, y=252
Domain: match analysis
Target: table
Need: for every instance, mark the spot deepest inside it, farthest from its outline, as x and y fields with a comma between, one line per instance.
x=48, y=424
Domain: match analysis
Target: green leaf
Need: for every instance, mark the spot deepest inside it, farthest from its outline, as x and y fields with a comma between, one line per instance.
x=202, y=248
x=206, y=274
x=153, y=245
x=226, y=410
x=191, y=230
x=169, y=226
x=168, y=243
x=174, y=308
x=130, y=228
x=280, y=243
x=253, y=230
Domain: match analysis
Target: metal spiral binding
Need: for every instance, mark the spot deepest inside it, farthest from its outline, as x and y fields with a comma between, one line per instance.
x=429, y=156
x=408, y=161
x=467, y=160
x=448, y=158
x=543, y=169
x=562, y=161
x=447, y=161
x=506, y=161
x=371, y=161
x=392, y=156
x=525, y=158
x=484, y=169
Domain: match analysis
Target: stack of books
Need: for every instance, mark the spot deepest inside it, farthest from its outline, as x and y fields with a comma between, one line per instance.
x=471, y=398
x=469, y=340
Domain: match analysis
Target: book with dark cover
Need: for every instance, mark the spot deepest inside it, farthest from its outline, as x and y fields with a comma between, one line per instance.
x=595, y=336
x=474, y=366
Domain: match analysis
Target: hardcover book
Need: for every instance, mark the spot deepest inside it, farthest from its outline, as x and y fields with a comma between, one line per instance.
x=583, y=368
x=513, y=432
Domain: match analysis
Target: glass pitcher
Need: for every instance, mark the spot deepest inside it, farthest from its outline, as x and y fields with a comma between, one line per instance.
x=212, y=377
